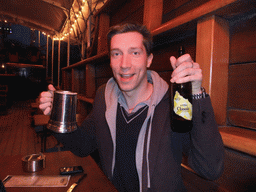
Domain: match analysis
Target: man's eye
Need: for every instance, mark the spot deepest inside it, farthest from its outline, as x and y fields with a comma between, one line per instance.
x=136, y=53
x=115, y=54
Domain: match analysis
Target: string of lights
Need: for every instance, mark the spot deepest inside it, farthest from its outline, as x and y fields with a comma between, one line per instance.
x=75, y=26
x=79, y=12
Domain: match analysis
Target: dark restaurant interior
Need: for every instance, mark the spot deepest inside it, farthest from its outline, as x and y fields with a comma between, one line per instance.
x=67, y=47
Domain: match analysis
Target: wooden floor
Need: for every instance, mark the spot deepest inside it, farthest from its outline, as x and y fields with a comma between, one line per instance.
x=17, y=135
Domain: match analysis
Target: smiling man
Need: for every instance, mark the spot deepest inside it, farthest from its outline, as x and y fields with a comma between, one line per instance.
x=130, y=121
x=129, y=63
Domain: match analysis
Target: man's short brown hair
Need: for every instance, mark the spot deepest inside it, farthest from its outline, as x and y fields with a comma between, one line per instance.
x=131, y=27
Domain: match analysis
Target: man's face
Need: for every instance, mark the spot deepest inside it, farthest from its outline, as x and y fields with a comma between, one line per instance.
x=129, y=61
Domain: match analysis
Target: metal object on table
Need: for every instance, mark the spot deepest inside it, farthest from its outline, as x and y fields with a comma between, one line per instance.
x=33, y=163
x=72, y=187
x=63, y=115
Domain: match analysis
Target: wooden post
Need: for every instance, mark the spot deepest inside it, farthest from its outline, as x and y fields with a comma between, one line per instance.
x=52, y=59
x=39, y=40
x=68, y=50
x=47, y=55
x=212, y=53
x=58, y=83
x=153, y=12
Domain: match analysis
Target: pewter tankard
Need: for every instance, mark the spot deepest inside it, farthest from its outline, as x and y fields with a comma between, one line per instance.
x=63, y=115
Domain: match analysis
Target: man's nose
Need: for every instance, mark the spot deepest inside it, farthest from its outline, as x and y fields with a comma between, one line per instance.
x=126, y=61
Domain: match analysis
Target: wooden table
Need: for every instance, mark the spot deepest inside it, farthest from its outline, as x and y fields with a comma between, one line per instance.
x=95, y=181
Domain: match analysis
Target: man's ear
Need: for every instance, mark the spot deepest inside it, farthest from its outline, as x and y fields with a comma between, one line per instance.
x=149, y=60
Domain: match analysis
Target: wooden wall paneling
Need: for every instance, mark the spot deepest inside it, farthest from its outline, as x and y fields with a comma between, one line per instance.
x=175, y=8
x=153, y=11
x=111, y=6
x=242, y=118
x=169, y=46
x=161, y=61
x=136, y=16
x=171, y=5
x=103, y=70
x=130, y=11
x=242, y=86
x=100, y=81
x=90, y=81
x=212, y=53
x=66, y=79
x=75, y=80
x=103, y=73
x=104, y=22
x=243, y=40
x=82, y=82
x=236, y=10
x=193, y=14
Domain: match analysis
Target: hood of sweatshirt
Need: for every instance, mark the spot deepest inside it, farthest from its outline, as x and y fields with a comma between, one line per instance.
x=112, y=93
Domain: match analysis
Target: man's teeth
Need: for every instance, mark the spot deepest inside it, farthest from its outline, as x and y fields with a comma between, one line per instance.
x=126, y=76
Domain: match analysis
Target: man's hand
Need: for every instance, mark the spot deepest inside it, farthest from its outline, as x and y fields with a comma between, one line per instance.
x=185, y=70
x=46, y=99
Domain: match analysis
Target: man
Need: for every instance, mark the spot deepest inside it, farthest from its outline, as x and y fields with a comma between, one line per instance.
x=130, y=125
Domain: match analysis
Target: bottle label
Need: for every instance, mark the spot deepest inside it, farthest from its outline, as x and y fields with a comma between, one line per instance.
x=182, y=106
